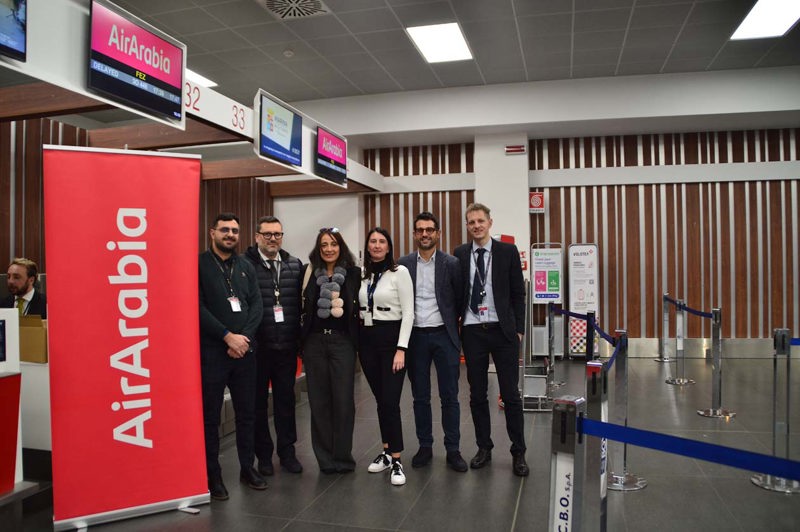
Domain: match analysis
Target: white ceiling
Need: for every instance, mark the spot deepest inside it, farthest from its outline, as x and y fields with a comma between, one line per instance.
x=359, y=47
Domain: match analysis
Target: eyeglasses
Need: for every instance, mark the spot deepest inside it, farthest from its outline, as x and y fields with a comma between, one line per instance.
x=226, y=230
x=425, y=230
x=328, y=229
x=269, y=235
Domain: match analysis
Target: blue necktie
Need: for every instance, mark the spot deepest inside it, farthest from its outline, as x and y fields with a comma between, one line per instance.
x=478, y=281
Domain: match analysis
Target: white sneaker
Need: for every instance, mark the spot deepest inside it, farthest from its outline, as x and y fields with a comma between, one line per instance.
x=397, y=475
x=382, y=462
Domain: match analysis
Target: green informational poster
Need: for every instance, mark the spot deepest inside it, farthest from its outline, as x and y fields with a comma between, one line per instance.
x=546, y=274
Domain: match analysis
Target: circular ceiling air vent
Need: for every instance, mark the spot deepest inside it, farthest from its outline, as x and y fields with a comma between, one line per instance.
x=290, y=9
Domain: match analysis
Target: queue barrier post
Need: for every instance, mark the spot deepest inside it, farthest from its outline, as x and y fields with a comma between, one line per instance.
x=590, y=321
x=680, y=355
x=568, y=454
x=781, y=414
x=551, y=349
x=595, y=485
x=662, y=344
x=619, y=478
x=716, y=409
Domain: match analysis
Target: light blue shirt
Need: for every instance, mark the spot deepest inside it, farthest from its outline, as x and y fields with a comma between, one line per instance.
x=426, y=310
x=488, y=300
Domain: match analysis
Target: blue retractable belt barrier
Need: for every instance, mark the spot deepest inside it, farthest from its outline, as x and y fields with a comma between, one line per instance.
x=607, y=337
x=572, y=314
x=688, y=309
x=614, y=356
x=709, y=452
x=794, y=341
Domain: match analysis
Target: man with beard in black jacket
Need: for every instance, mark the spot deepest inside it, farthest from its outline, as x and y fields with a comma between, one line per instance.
x=279, y=280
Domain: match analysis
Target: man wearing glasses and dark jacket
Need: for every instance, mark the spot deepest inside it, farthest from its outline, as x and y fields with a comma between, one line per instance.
x=279, y=277
x=230, y=312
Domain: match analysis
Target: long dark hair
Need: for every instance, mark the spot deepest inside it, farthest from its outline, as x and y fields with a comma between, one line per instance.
x=388, y=263
x=346, y=258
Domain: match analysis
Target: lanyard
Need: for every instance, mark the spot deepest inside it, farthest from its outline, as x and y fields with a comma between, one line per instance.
x=225, y=274
x=371, y=286
x=276, y=278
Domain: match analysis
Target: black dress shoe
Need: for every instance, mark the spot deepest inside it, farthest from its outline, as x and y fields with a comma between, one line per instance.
x=483, y=457
x=455, y=462
x=519, y=466
x=253, y=480
x=217, y=490
x=423, y=457
x=265, y=469
x=292, y=464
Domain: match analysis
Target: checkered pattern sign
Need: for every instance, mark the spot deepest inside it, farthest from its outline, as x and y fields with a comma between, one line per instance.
x=577, y=337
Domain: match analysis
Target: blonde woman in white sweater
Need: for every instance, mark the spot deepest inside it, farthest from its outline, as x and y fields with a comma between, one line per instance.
x=386, y=301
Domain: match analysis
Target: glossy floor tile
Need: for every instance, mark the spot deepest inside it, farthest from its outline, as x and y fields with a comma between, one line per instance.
x=682, y=494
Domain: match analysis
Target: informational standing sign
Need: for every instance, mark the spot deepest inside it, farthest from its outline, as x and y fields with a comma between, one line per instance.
x=547, y=273
x=584, y=292
x=126, y=403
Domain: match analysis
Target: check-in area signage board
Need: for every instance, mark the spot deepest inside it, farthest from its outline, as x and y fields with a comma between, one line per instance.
x=584, y=293
x=213, y=107
x=547, y=275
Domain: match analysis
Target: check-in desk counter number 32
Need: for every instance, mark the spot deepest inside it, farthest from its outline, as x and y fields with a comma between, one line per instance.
x=36, y=440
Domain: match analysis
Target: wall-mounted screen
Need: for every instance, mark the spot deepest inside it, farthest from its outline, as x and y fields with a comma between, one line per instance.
x=331, y=158
x=14, y=28
x=280, y=131
x=135, y=65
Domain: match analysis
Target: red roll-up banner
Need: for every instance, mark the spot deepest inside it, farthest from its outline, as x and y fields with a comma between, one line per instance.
x=126, y=404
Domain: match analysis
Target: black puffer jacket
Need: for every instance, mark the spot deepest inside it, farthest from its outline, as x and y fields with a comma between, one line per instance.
x=283, y=335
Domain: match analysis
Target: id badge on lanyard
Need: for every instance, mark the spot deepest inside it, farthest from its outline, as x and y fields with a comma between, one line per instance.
x=236, y=305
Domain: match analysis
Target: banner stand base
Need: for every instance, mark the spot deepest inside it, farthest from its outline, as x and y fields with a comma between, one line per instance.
x=127, y=513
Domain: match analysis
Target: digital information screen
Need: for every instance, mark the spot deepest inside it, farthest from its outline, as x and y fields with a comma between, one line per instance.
x=134, y=64
x=14, y=29
x=331, y=160
x=280, y=132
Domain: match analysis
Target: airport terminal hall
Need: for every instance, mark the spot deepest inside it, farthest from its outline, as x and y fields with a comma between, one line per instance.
x=400, y=265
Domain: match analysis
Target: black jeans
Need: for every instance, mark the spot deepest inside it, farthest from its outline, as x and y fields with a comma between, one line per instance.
x=330, y=362
x=239, y=375
x=424, y=348
x=278, y=367
x=478, y=341
x=377, y=347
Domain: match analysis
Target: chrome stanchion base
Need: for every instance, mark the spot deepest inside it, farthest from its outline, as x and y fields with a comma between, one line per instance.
x=557, y=384
x=664, y=359
x=716, y=412
x=772, y=483
x=626, y=482
x=679, y=381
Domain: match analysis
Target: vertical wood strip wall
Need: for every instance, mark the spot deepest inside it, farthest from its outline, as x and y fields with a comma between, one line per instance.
x=730, y=245
x=421, y=160
x=21, y=185
x=248, y=198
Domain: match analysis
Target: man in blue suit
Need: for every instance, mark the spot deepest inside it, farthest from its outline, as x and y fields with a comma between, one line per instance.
x=493, y=322
x=434, y=339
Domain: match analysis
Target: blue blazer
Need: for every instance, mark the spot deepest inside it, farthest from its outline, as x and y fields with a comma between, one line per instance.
x=508, y=285
x=449, y=289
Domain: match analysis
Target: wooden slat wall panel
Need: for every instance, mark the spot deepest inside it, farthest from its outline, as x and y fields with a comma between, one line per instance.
x=248, y=198
x=421, y=160
x=21, y=144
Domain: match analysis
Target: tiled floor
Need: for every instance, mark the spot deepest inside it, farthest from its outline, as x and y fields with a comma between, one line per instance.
x=682, y=493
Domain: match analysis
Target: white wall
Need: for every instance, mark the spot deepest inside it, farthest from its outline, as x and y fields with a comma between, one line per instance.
x=303, y=217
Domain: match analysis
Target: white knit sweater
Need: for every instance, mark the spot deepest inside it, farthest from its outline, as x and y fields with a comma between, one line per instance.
x=394, y=291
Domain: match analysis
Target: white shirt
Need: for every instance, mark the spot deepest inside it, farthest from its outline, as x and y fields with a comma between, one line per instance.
x=426, y=309
x=394, y=292
x=488, y=300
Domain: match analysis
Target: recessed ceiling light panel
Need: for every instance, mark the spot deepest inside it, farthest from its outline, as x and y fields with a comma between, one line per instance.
x=440, y=42
x=768, y=18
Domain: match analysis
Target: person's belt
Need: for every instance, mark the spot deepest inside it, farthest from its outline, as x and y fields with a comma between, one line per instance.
x=429, y=330
x=487, y=326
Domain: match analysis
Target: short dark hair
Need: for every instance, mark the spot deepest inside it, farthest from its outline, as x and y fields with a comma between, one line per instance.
x=389, y=260
x=267, y=220
x=225, y=217
x=31, y=269
x=428, y=216
x=346, y=258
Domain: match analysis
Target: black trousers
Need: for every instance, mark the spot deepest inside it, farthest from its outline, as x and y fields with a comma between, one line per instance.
x=377, y=347
x=478, y=342
x=279, y=367
x=330, y=362
x=218, y=370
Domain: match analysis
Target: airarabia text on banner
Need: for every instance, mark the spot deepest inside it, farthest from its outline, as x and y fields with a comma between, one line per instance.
x=132, y=305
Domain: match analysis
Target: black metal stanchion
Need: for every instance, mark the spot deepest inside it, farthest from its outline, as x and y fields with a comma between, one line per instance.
x=781, y=414
x=680, y=355
x=590, y=354
x=716, y=409
x=551, y=349
x=662, y=344
x=619, y=478
x=595, y=512
x=568, y=453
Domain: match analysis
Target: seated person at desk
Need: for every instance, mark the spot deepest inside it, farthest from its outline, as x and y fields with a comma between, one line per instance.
x=22, y=287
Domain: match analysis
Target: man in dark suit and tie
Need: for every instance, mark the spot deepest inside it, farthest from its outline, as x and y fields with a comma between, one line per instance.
x=493, y=322
x=434, y=339
x=21, y=284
